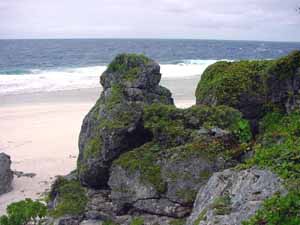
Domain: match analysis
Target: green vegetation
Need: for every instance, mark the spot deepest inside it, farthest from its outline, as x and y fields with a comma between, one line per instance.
x=109, y=222
x=201, y=217
x=177, y=222
x=175, y=138
x=279, y=145
x=71, y=197
x=222, y=205
x=144, y=160
x=278, y=149
x=137, y=221
x=24, y=212
x=278, y=210
x=129, y=65
x=187, y=195
x=115, y=96
x=172, y=123
x=287, y=66
x=228, y=81
x=92, y=148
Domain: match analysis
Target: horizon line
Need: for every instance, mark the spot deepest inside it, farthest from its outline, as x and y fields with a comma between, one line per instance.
x=129, y=38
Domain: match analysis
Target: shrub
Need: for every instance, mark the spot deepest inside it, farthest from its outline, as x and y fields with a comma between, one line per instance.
x=24, y=212
x=71, y=197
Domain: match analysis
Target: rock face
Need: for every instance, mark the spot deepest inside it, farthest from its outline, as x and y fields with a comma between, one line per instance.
x=114, y=125
x=163, y=176
x=231, y=197
x=6, y=175
x=252, y=87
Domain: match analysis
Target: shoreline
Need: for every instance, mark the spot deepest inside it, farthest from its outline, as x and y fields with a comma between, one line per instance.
x=40, y=132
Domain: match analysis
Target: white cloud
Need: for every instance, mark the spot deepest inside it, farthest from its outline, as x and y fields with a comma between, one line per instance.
x=216, y=19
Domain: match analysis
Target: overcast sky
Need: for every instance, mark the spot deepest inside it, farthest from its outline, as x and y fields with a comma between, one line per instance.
x=273, y=20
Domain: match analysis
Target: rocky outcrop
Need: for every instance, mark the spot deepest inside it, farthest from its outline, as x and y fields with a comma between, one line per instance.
x=114, y=125
x=144, y=161
x=6, y=174
x=252, y=87
x=230, y=197
x=163, y=176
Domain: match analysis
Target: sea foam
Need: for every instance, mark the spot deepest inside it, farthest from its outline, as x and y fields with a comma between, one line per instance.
x=34, y=81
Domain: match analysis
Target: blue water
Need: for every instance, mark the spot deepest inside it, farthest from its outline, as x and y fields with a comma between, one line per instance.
x=22, y=56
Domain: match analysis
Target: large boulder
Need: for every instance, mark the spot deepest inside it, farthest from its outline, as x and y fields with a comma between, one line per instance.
x=6, y=174
x=230, y=197
x=114, y=125
x=163, y=176
x=252, y=87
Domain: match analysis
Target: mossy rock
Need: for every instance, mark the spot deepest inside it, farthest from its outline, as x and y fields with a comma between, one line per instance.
x=180, y=157
x=236, y=84
x=131, y=70
x=114, y=125
x=252, y=87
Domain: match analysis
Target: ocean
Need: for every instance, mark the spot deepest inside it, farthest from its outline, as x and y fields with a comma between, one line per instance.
x=31, y=66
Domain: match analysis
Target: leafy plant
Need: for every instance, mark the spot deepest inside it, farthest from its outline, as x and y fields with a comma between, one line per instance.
x=24, y=212
x=278, y=210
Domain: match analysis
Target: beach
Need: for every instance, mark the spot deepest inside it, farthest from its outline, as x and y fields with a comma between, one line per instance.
x=40, y=133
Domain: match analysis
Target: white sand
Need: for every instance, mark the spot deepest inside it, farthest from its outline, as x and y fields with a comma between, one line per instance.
x=42, y=138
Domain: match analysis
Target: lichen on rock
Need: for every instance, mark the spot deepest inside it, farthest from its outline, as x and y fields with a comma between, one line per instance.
x=230, y=197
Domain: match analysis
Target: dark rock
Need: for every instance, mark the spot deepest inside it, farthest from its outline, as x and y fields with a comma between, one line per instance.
x=67, y=220
x=114, y=125
x=6, y=175
x=22, y=174
x=231, y=197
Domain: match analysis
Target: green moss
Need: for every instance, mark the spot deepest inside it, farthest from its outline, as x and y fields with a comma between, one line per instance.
x=201, y=217
x=222, y=205
x=71, y=197
x=115, y=97
x=144, y=160
x=228, y=81
x=188, y=195
x=166, y=123
x=129, y=65
x=170, y=123
x=92, y=148
x=286, y=66
x=137, y=221
x=278, y=210
x=177, y=222
x=109, y=222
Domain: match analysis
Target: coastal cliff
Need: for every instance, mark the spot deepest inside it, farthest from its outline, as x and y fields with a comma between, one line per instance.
x=233, y=158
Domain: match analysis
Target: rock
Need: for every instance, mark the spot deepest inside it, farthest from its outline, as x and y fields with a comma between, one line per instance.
x=91, y=222
x=252, y=87
x=22, y=174
x=114, y=125
x=284, y=82
x=6, y=175
x=231, y=197
x=163, y=176
x=66, y=220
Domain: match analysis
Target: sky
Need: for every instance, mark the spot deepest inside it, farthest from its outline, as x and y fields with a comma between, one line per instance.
x=269, y=20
